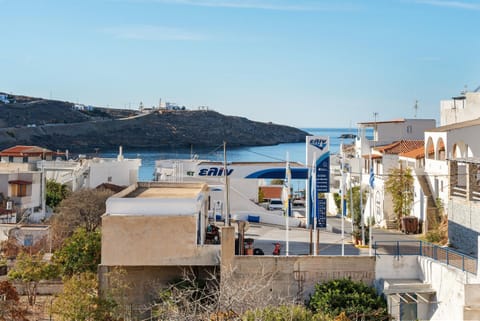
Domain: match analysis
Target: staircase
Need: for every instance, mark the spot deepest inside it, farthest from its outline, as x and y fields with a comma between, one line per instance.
x=432, y=209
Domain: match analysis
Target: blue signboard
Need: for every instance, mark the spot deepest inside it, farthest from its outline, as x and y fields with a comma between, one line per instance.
x=318, y=156
x=321, y=212
x=323, y=173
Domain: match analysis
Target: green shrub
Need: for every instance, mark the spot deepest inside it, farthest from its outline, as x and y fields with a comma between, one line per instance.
x=357, y=300
x=284, y=313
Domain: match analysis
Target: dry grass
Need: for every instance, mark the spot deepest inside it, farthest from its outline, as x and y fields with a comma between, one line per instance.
x=40, y=311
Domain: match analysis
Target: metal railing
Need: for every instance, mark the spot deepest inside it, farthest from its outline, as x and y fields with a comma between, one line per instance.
x=442, y=254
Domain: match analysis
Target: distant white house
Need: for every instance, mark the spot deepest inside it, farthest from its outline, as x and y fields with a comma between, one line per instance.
x=24, y=169
x=82, y=107
x=90, y=173
x=4, y=98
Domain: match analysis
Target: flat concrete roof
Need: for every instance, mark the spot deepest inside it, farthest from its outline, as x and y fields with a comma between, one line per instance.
x=164, y=190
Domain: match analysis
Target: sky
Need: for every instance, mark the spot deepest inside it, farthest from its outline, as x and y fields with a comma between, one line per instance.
x=302, y=63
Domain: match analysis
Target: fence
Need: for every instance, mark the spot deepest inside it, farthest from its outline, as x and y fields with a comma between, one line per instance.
x=441, y=254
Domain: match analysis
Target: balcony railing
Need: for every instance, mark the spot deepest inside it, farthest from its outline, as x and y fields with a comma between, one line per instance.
x=459, y=191
x=442, y=254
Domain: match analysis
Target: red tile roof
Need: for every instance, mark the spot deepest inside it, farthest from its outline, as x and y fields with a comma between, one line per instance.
x=22, y=150
x=417, y=153
x=270, y=192
x=401, y=146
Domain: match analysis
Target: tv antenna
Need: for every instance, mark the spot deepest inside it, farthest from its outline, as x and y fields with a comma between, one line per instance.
x=415, y=107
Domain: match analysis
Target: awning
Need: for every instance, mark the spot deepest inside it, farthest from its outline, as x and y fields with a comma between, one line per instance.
x=409, y=291
x=20, y=182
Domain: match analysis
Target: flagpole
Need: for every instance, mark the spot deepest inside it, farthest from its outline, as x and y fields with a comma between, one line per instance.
x=287, y=212
x=343, y=198
x=372, y=186
x=314, y=201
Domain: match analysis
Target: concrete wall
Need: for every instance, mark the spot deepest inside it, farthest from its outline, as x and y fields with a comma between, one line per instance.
x=155, y=241
x=123, y=173
x=143, y=284
x=389, y=132
x=43, y=288
x=472, y=302
x=454, y=289
x=464, y=224
x=460, y=110
x=449, y=285
x=294, y=277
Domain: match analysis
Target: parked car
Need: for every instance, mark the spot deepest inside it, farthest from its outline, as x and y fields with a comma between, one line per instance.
x=275, y=204
x=298, y=202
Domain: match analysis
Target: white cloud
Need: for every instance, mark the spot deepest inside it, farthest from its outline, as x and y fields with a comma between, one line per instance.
x=152, y=33
x=451, y=4
x=280, y=5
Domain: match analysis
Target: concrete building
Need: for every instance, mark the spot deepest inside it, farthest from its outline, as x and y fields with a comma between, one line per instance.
x=463, y=107
x=92, y=172
x=4, y=98
x=375, y=156
x=24, y=170
x=452, y=164
x=387, y=132
x=155, y=230
x=21, y=183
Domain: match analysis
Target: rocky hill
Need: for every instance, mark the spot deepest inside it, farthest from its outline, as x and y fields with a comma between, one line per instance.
x=59, y=125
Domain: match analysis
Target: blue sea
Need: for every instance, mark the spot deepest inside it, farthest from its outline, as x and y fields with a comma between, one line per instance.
x=296, y=152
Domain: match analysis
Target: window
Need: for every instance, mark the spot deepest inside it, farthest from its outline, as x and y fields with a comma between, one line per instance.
x=19, y=190
x=28, y=240
x=409, y=129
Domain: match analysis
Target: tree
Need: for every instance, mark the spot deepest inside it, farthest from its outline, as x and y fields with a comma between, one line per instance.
x=30, y=270
x=357, y=214
x=82, y=208
x=79, y=300
x=56, y=192
x=80, y=253
x=357, y=300
x=10, y=309
x=399, y=185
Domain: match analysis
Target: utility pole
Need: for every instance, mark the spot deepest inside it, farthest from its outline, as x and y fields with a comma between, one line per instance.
x=227, y=200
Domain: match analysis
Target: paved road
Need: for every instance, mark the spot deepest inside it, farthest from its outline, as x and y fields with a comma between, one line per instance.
x=265, y=236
